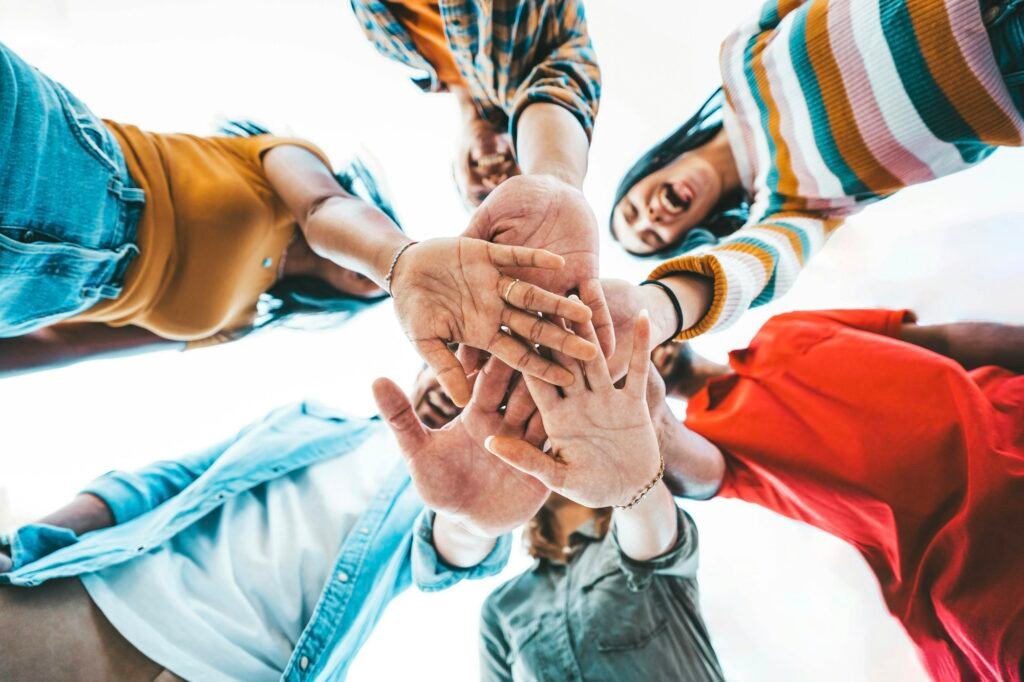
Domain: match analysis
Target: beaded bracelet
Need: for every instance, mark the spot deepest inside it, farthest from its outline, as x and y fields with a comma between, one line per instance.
x=671, y=297
x=639, y=497
x=394, y=262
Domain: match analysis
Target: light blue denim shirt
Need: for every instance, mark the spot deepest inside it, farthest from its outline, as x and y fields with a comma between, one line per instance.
x=155, y=503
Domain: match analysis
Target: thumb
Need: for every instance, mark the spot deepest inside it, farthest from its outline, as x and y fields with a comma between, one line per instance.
x=398, y=414
x=526, y=458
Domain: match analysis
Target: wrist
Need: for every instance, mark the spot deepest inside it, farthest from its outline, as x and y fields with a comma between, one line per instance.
x=662, y=312
x=394, y=263
x=458, y=545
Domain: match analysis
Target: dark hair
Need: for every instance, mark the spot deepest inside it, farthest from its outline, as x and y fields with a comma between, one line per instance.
x=310, y=300
x=728, y=215
x=539, y=536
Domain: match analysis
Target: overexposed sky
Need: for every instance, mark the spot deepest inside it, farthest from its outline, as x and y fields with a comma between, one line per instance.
x=782, y=601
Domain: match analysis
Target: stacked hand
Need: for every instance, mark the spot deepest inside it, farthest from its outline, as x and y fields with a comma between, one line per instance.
x=452, y=290
x=603, y=445
x=452, y=471
x=543, y=213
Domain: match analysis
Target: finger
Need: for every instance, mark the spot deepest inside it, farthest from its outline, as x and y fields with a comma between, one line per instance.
x=532, y=298
x=446, y=368
x=596, y=369
x=492, y=385
x=541, y=332
x=520, y=406
x=545, y=396
x=526, y=458
x=593, y=297
x=398, y=414
x=639, y=359
x=472, y=359
x=536, y=434
x=503, y=255
x=522, y=358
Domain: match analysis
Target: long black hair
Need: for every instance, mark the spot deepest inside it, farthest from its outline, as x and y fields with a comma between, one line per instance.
x=310, y=302
x=728, y=215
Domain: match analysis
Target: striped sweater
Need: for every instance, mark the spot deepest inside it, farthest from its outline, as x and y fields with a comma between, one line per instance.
x=832, y=105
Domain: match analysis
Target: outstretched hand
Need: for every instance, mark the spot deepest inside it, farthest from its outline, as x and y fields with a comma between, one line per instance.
x=449, y=290
x=604, y=449
x=545, y=213
x=450, y=468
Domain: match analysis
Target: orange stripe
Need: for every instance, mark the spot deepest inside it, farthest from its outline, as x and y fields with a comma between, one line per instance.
x=841, y=119
x=767, y=262
x=794, y=240
x=783, y=159
x=949, y=68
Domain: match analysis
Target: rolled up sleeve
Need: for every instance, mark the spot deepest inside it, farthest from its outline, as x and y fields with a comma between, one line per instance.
x=568, y=75
x=681, y=561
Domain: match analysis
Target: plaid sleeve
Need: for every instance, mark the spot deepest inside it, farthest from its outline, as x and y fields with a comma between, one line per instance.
x=757, y=264
x=567, y=74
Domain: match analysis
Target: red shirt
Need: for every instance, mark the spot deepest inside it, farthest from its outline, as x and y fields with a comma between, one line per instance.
x=916, y=462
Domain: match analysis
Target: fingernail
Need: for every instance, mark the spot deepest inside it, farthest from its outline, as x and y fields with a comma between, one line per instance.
x=644, y=313
x=487, y=443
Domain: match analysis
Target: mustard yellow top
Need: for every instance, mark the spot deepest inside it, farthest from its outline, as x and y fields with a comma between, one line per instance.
x=211, y=235
x=423, y=21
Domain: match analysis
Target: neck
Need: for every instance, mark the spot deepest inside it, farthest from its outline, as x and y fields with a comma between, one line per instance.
x=299, y=259
x=718, y=152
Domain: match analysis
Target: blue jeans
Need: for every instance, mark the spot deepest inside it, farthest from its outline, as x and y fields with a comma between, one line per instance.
x=68, y=208
x=1005, y=22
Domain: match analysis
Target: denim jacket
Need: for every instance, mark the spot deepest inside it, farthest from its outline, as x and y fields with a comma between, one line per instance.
x=391, y=549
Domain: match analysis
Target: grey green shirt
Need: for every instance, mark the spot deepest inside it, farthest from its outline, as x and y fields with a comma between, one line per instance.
x=602, y=617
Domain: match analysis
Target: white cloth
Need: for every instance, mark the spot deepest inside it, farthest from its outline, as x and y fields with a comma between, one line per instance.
x=236, y=589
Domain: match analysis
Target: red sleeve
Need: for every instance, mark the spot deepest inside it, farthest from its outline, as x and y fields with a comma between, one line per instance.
x=874, y=320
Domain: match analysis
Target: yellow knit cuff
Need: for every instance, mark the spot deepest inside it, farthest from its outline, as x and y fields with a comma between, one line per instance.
x=708, y=266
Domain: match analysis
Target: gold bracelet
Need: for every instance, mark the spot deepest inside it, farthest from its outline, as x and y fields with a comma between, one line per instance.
x=639, y=497
x=394, y=262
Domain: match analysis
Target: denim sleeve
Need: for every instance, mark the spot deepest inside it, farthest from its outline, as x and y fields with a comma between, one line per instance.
x=680, y=561
x=33, y=542
x=130, y=494
x=431, y=574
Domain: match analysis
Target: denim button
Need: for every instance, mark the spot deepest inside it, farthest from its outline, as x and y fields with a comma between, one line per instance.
x=304, y=662
x=342, y=577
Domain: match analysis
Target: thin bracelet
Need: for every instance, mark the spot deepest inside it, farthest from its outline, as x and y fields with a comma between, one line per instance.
x=675, y=302
x=639, y=497
x=394, y=262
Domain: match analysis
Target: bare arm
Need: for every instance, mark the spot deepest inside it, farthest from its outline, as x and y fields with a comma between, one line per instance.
x=83, y=514
x=63, y=345
x=972, y=344
x=649, y=529
x=338, y=226
x=550, y=141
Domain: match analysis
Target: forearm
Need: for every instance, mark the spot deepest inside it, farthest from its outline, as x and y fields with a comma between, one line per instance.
x=551, y=141
x=972, y=344
x=694, y=293
x=337, y=226
x=694, y=466
x=67, y=344
x=649, y=529
x=83, y=514
x=457, y=546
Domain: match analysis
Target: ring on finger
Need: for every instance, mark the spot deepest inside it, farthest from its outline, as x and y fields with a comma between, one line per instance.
x=508, y=290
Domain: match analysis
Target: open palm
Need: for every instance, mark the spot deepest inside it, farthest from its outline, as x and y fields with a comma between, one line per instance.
x=451, y=469
x=452, y=290
x=603, y=446
x=544, y=213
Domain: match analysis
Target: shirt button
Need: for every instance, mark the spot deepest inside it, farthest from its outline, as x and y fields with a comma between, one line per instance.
x=267, y=262
x=342, y=577
x=364, y=531
x=304, y=662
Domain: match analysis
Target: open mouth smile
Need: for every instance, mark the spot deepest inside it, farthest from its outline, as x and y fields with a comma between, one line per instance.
x=674, y=199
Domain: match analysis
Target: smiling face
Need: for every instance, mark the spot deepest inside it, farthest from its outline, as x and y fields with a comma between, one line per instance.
x=660, y=209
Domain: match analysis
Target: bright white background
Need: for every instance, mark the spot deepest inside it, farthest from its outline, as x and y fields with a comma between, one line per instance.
x=783, y=602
